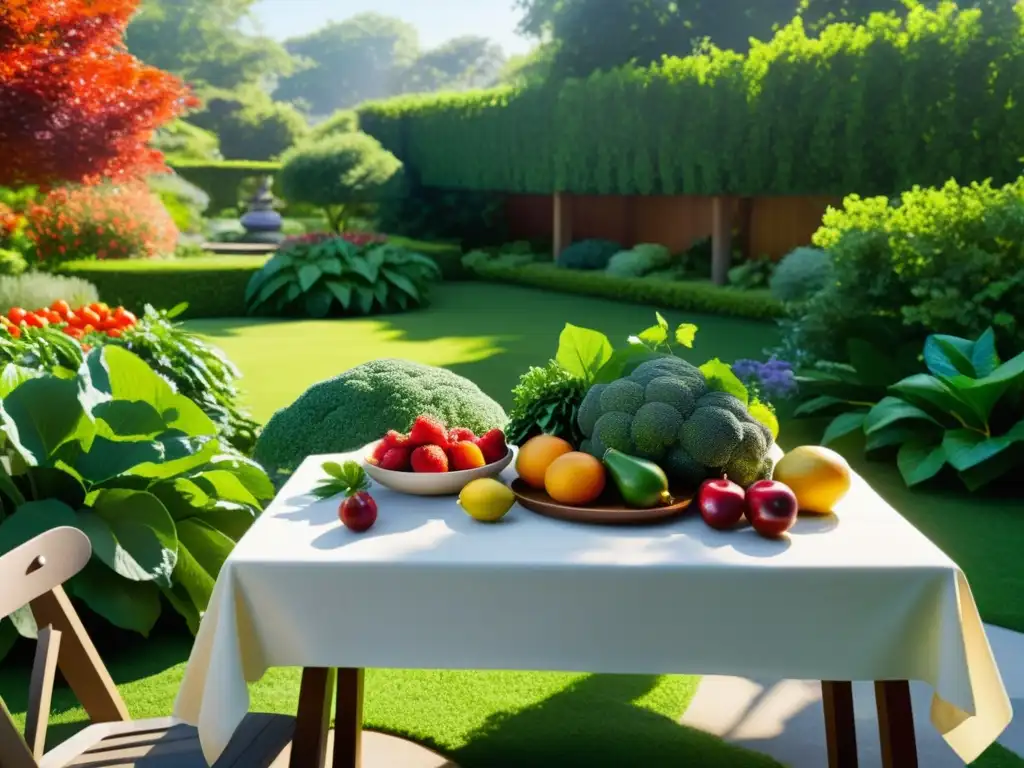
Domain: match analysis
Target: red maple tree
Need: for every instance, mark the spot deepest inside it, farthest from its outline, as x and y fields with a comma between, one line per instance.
x=75, y=106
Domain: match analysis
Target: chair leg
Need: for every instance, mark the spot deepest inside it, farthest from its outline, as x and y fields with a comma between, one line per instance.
x=840, y=724
x=40, y=692
x=309, y=745
x=348, y=720
x=14, y=752
x=896, y=724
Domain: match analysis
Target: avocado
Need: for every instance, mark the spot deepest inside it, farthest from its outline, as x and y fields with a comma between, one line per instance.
x=642, y=483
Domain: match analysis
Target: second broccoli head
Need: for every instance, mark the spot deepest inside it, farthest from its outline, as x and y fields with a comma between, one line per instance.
x=664, y=411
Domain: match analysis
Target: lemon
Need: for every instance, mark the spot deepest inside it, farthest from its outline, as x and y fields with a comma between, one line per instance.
x=486, y=500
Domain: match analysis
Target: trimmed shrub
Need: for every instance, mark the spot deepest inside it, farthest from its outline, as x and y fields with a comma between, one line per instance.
x=691, y=296
x=38, y=289
x=103, y=222
x=641, y=260
x=801, y=274
x=340, y=173
x=343, y=121
x=588, y=254
x=477, y=219
x=249, y=124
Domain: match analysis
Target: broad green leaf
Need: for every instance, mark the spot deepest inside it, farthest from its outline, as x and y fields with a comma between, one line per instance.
x=181, y=497
x=984, y=357
x=208, y=546
x=107, y=458
x=329, y=266
x=842, y=425
x=8, y=637
x=333, y=468
x=662, y=322
x=176, y=310
x=818, y=404
x=721, y=378
x=983, y=394
x=342, y=292
x=193, y=587
x=380, y=293
x=582, y=351
x=949, y=356
x=966, y=448
x=9, y=489
x=902, y=432
x=308, y=275
x=765, y=415
x=133, y=534
x=252, y=475
x=622, y=361
x=221, y=484
x=364, y=298
x=42, y=415
x=366, y=268
x=654, y=336
x=132, y=605
x=271, y=268
x=24, y=622
x=318, y=303
x=233, y=520
x=180, y=456
x=685, y=334
x=1003, y=463
x=55, y=483
x=925, y=390
x=890, y=410
x=126, y=419
x=13, y=376
x=33, y=518
x=274, y=284
x=402, y=282
x=919, y=461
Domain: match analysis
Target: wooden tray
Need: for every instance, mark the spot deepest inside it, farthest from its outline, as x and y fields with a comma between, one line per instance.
x=608, y=509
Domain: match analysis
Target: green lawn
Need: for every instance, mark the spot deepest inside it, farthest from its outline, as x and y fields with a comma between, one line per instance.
x=496, y=719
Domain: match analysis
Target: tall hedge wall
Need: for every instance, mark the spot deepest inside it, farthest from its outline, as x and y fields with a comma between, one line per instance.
x=873, y=109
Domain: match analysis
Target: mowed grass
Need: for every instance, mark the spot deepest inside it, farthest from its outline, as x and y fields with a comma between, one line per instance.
x=491, y=334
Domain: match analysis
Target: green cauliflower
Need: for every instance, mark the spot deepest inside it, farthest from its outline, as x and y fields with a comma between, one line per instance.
x=711, y=435
x=654, y=430
x=360, y=405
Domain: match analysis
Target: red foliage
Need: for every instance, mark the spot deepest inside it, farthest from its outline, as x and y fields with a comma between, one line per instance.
x=76, y=105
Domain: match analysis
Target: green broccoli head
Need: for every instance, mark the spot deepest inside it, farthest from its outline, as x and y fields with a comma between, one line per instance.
x=594, y=447
x=677, y=392
x=358, y=406
x=727, y=402
x=746, y=464
x=622, y=396
x=655, y=428
x=590, y=410
x=676, y=367
x=684, y=470
x=711, y=435
x=612, y=431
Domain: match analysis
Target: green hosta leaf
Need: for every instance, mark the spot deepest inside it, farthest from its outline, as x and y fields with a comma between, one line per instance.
x=318, y=303
x=842, y=425
x=33, y=518
x=274, y=285
x=582, y=352
x=329, y=266
x=721, y=378
x=369, y=270
x=42, y=415
x=949, y=356
x=9, y=489
x=15, y=375
x=983, y=394
x=984, y=358
x=342, y=292
x=221, y=484
x=180, y=455
x=233, y=520
x=818, y=404
x=654, y=336
x=902, y=432
x=765, y=415
x=402, y=282
x=55, y=483
x=890, y=410
x=124, y=419
x=275, y=265
x=380, y=293
x=308, y=275
x=107, y=458
x=364, y=298
x=132, y=605
x=133, y=534
x=206, y=551
x=967, y=448
x=181, y=497
x=685, y=334
x=919, y=461
x=925, y=390
x=251, y=474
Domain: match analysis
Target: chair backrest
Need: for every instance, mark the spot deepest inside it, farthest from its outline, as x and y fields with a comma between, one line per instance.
x=40, y=565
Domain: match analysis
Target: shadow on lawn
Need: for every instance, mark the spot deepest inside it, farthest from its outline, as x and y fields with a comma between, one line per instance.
x=562, y=730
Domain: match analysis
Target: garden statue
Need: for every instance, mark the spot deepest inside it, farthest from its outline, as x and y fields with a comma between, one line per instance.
x=262, y=223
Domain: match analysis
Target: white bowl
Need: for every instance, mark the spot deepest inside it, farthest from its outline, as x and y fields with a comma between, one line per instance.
x=431, y=483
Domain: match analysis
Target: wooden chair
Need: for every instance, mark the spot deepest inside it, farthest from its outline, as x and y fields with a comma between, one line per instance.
x=33, y=574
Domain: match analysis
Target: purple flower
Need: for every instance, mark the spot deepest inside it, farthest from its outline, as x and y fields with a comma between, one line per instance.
x=772, y=379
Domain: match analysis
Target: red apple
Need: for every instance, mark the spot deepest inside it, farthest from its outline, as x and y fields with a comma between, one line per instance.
x=721, y=503
x=358, y=512
x=771, y=508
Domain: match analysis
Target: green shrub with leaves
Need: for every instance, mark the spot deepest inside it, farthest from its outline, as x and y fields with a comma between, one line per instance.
x=318, y=276
x=12, y=262
x=113, y=450
x=752, y=273
x=588, y=254
x=342, y=121
x=639, y=261
x=38, y=289
x=943, y=260
x=249, y=123
x=800, y=274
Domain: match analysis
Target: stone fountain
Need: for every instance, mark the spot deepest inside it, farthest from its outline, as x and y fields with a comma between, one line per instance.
x=261, y=221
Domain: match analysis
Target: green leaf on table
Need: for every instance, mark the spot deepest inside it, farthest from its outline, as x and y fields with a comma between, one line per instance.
x=843, y=425
x=334, y=469
x=33, y=518
x=721, y=379
x=685, y=334
x=889, y=410
x=132, y=605
x=919, y=461
x=764, y=414
x=133, y=534
x=654, y=336
x=582, y=351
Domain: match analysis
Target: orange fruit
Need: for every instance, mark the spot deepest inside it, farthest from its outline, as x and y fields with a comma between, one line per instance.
x=819, y=477
x=575, y=479
x=536, y=455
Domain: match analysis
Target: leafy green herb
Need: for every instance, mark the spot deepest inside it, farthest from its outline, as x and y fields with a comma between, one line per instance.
x=348, y=478
x=546, y=401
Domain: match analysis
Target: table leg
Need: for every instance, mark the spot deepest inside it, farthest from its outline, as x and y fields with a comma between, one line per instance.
x=896, y=724
x=309, y=746
x=348, y=720
x=840, y=725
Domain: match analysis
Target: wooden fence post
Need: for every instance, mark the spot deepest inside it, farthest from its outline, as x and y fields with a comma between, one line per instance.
x=563, y=222
x=721, y=239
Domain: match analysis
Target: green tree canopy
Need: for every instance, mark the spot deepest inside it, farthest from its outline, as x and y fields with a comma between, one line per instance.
x=461, y=63
x=250, y=125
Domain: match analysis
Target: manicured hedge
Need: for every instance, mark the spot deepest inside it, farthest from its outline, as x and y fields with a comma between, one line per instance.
x=221, y=179
x=691, y=296
x=873, y=109
x=213, y=286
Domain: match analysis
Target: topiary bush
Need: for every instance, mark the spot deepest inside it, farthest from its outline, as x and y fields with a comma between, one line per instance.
x=342, y=121
x=640, y=260
x=249, y=123
x=588, y=254
x=358, y=406
x=801, y=274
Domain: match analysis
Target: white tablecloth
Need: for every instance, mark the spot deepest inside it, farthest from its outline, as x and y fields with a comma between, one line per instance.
x=863, y=596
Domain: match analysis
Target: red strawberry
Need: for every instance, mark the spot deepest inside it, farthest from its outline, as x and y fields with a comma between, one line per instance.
x=396, y=459
x=429, y=458
x=378, y=452
x=428, y=430
x=492, y=445
x=458, y=434
x=395, y=439
x=466, y=455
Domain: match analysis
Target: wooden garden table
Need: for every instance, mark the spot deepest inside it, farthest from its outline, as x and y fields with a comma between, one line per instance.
x=865, y=598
